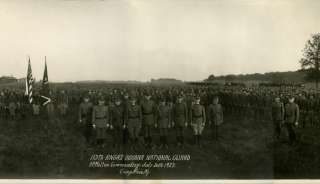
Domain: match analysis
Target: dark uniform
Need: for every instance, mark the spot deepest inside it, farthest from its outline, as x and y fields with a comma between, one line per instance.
x=277, y=117
x=163, y=122
x=215, y=117
x=291, y=119
x=101, y=121
x=133, y=118
x=117, y=122
x=180, y=119
x=85, y=114
x=148, y=120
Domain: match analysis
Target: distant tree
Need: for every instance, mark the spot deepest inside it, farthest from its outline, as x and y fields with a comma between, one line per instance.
x=230, y=77
x=310, y=61
x=210, y=78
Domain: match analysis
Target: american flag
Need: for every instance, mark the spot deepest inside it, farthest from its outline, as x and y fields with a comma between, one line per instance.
x=29, y=84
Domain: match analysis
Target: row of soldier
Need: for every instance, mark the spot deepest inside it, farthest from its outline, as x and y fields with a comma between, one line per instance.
x=139, y=120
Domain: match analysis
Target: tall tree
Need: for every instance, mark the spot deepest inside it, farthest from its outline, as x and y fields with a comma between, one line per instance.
x=310, y=61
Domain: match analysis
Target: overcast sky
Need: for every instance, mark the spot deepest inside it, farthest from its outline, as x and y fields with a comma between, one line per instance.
x=143, y=39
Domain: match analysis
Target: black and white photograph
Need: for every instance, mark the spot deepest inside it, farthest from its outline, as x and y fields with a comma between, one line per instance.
x=124, y=90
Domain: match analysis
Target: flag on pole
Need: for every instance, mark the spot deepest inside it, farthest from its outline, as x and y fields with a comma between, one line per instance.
x=29, y=84
x=45, y=91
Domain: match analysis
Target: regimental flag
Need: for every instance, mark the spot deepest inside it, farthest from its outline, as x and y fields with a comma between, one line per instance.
x=29, y=84
x=45, y=91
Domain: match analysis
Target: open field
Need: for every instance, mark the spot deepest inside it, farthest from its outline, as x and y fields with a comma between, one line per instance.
x=38, y=148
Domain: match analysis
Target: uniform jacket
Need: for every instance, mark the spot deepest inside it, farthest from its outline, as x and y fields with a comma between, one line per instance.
x=163, y=116
x=291, y=113
x=180, y=114
x=277, y=111
x=216, y=114
x=198, y=114
x=101, y=116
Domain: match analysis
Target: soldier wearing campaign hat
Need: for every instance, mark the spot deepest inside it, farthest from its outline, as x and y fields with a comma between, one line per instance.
x=101, y=121
x=277, y=116
x=117, y=121
x=133, y=120
x=215, y=116
x=163, y=121
x=85, y=114
x=198, y=120
x=180, y=119
x=148, y=109
x=291, y=118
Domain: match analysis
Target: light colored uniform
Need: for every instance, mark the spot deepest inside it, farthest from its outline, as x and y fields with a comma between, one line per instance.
x=198, y=118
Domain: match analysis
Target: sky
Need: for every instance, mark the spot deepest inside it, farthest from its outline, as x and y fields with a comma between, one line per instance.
x=144, y=39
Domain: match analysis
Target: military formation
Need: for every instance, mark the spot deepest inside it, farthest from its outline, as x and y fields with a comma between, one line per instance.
x=143, y=116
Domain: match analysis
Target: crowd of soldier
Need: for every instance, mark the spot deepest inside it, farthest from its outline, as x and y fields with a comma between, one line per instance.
x=137, y=111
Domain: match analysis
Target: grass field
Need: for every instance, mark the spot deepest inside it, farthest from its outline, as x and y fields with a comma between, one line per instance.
x=38, y=148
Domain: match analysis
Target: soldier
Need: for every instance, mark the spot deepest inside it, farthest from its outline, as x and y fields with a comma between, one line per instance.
x=36, y=106
x=85, y=112
x=198, y=120
x=101, y=121
x=291, y=119
x=148, y=119
x=12, y=108
x=133, y=117
x=215, y=117
x=163, y=122
x=117, y=114
x=2, y=106
x=63, y=103
x=180, y=119
x=277, y=116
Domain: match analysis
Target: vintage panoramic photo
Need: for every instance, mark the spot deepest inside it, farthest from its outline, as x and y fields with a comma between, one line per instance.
x=160, y=89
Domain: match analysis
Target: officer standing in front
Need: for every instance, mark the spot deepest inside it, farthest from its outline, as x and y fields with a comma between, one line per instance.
x=291, y=119
x=133, y=119
x=101, y=121
x=148, y=119
x=198, y=120
x=180, y=119
x=277, y=116
x=117, y=114
x=215, y=117
x=85, y=114
x=163, y=122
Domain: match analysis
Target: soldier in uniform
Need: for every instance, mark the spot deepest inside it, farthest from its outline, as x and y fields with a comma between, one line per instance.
x=2, y=105
x=12, y=107
x=277, y=116
x=117, y=121
x=148, y=119
x=101, y=121
x=36, y=105
x=163, y=122
x=291, y=119
x=198, y=120
x=215, y=116
x=63, y=103
x=133, y=121
x=85, y=112
x=180, y=119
